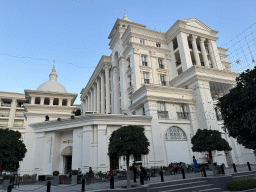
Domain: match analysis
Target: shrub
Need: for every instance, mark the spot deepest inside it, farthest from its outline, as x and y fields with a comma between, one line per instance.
x=55, y=173
x=74, y=172
x=242, y=184
x=5, y=177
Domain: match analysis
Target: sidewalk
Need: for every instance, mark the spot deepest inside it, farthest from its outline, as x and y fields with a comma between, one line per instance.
x=120, y=184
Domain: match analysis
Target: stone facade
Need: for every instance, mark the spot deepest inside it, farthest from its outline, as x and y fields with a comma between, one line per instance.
x=167, y=83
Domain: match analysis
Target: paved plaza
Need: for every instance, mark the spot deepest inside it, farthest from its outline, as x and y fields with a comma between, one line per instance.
x=119, y=184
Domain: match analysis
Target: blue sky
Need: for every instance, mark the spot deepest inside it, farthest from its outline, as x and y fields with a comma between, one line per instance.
x=75, y=33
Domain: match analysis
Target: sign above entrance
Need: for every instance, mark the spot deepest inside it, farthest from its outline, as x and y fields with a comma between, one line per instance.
x=68, y=141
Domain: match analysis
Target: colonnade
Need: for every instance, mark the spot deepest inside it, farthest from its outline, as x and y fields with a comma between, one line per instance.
x=98, y=97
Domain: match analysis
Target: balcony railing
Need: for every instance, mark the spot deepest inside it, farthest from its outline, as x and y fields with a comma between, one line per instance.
x=146, y=81
x=175, y=46
x=183, y=115
x=4, y=114
x=161, y=66
x=19, y=116
x=163, y=114
x=3, y=125
x=6, y=105
x=144, y=63
x=18, y=125
x=178, y=63
x=163, y=83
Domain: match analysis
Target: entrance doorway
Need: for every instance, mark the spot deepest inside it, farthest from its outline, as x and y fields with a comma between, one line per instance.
x=67, y=164
x=228, y=158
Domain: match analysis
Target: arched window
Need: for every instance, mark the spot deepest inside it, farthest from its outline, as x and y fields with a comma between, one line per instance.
x=175, y=133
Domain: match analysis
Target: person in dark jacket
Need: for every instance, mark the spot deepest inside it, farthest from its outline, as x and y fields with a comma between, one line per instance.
x=134, y=168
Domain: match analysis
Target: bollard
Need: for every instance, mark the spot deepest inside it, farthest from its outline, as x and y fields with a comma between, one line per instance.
x=112, y=182
x=141, y=178
x=48, y=186
x=204, y=172
x=83, y=185
x=234, y=166
x=162, y=176
x=222, y=169
x=9, y=189
x=249, y=166
x=183, y=173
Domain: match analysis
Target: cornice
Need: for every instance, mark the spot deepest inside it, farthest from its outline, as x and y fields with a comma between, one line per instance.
x=29, y=92
x=85, y=120
x=195, y=73
x=11, y=95
x=150, y=48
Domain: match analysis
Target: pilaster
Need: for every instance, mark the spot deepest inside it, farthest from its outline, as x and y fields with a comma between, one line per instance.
x=86, y=148
x=77, y=149
x=116, y=90
x=103, y=158
x=98, y=95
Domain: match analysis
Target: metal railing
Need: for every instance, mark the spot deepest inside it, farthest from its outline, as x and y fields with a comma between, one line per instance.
x=146, y=81
x=163, y=114
x=163, y=83
x=4, y=114
x=183, y=115
x=6, y=105
x=144, y=63
x=161, y=66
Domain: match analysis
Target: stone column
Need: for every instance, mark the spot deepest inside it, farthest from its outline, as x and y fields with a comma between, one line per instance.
x=86, y=104
x=173, y=70
x=184, y=51
x=209, y=43
x=69, y=102
x=195, y=51
x=216, y=55
x=98, y=95
x=102, y=84
x=42, y=100
x=12, y=113
x=107, y=90
x=60, y=102
x=89, y=102
x=51, y=101
x=86, y=148
x=203, y=51
x=116, y=90
x=32, y=100
x=123, y=86
x=94, y=98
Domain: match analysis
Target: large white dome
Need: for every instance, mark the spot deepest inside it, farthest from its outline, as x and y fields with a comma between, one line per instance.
x=52, y=85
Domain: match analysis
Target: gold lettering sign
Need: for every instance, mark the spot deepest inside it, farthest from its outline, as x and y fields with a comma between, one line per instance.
x=68, y=141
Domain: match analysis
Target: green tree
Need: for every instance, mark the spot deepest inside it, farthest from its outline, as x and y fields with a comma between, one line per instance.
x=238, y=109
x=12, y=149
x=126, y=141
x=209, y=140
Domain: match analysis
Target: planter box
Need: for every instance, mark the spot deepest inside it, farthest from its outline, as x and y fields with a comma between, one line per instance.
x=6, y=184
x=56, y=180
x=74, y=179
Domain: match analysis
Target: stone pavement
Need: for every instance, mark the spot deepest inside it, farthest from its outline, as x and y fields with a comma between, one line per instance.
x=120, y=184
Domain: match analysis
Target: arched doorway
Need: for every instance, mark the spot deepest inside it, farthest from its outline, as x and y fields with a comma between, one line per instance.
x=176, y=146
x=67, y=159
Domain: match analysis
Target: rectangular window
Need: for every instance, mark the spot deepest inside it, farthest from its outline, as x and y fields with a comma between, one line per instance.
x=142, y=41
x=158, y=45
x=146, y=78
x=144, y=60
x=160, y=63
x=163, y=82
x=161, y=107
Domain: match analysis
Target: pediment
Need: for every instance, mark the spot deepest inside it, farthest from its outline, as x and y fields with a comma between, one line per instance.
x=197, y=25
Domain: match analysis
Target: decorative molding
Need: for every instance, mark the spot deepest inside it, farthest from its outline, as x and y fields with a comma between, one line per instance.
x=79, y=134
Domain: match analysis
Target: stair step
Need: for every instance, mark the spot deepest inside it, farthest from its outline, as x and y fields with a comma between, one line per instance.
x=194, y=188
x=211, y=190
x=178, y=186
x=243, y=173
x=174, y=182
x=244, y=176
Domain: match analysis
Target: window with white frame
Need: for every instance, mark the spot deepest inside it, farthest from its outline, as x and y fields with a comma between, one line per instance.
x=160, y=63
x=161, y=106
x=162, y=79
x=146, y=78
x=144, y=60
x=142, y=41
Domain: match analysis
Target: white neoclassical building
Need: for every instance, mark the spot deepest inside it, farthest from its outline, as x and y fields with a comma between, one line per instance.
x=167, y=83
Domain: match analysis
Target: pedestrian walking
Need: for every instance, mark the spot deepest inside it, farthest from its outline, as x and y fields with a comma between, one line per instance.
x=134, y=171
x=195, y=163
